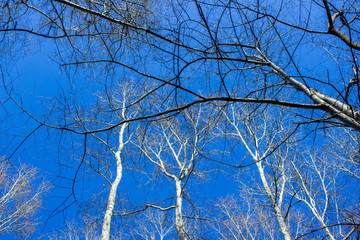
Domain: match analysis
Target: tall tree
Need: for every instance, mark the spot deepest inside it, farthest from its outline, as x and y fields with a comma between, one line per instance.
x=174, y=146
x=261, y=137
x=294, y=181
x=119, y=103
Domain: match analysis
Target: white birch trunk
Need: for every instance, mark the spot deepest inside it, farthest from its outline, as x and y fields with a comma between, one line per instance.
x=277, y=210
x=258, y=160
x=105, y=234
x=178, y=212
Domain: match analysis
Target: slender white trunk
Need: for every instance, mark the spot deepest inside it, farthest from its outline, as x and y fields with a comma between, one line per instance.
x=105, y=234
x=178, y=212
x=277, y=210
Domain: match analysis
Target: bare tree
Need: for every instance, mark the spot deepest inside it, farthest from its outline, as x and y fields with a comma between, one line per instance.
x=153, y=224
x=301, y=56
x=243, y=217
x=21, y=197
x=174, y=145
x=261, y=137
x=117, y=152
x=265, y=43
x=119, y=103
x=344, y=146
x=315, y=191
x=79, y=229
x=300, y=187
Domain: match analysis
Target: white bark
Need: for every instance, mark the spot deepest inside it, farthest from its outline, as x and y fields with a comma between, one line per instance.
x=258, y=160
x=175, y=154
x=276, y=208
x=336, y=108
x=20, y=198
x=105, y=235
x=178, y=212
x=310, y=200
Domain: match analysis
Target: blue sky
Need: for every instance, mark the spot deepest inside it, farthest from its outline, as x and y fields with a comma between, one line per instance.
x=36, y=85
x=58, y=95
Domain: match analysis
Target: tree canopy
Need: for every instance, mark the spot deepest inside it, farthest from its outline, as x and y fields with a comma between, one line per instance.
x=144, y=106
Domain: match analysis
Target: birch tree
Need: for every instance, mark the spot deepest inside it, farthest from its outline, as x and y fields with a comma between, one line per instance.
x=301, y=189
x=242, y=216
x=122, y=106
x=260, y=137
x=153, y=224
x=120, y=103
x=173, y=145
x=20, y=200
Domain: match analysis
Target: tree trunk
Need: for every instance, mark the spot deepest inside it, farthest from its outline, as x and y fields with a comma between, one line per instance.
x=178, y=212
x=105, y=234
x=277, y=209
